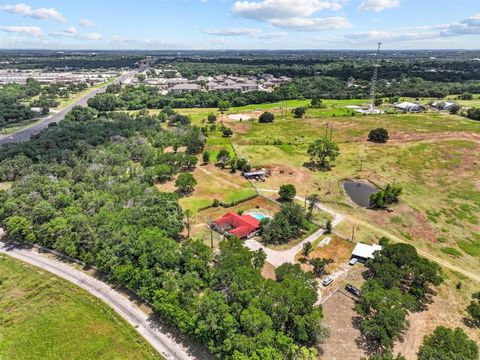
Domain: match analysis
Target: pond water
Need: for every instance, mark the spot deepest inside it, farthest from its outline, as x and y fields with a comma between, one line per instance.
x=359, y=192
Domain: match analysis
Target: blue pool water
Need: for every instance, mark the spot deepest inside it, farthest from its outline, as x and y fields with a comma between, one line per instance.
x=258, y=216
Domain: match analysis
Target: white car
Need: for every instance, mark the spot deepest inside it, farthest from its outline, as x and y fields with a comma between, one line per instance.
x=353, y=261
x=327, y=281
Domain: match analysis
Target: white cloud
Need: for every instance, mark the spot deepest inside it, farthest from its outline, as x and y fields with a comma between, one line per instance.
x=26, y=10
x=468, y=26
x=248, y=32
x=378, y=5
x=218, y=41
x=293, y=14
x=86, y=22
x=28, y=30
x=312, y=24
x=232, y=32
x=71, y=30
x=92, y=36
x=282, y=9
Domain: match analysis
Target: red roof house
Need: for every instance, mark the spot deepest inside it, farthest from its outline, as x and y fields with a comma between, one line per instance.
x=241, y=226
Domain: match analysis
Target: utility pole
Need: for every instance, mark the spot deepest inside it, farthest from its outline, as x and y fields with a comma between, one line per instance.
x=373, y=88
x=353, y=231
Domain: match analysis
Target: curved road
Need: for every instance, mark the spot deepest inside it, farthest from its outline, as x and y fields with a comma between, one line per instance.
x=26, y=133
x=164, y=343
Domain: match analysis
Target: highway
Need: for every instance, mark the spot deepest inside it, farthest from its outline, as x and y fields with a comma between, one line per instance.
x=26, y=133
x=165, y=343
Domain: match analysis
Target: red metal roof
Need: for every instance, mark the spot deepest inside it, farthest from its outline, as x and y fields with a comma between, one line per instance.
x=243, y=225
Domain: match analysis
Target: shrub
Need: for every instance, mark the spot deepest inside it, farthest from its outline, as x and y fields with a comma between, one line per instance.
x=266, y=117
x=379, y=135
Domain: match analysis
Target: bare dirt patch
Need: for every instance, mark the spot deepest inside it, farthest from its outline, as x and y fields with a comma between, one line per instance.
x=338, y=318
x=268, y=271
x=444, y=311
x=402, y=136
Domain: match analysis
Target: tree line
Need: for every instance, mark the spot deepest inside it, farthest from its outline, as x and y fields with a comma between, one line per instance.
x=84, y=187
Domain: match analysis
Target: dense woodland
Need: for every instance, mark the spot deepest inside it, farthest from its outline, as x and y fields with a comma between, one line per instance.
x=16, y=99
x=84, y=187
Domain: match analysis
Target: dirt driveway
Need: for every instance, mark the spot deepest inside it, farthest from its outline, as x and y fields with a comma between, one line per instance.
x=338, y=313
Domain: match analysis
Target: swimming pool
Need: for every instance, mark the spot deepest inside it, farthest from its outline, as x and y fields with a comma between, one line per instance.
x=258, y=216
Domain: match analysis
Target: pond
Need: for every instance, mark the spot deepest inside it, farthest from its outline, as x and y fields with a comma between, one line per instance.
x=359, y=192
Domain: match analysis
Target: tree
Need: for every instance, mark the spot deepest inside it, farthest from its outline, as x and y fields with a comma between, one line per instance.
x=319, y=265
x=287, y=192
x=266, y=117
x=323, y=152
x=188, y=216
x=317, y=103
x=386, y=196
x=379, y=135
x=299, y=112
x=307, y=248
x=223, y=105
x=19, y=228
x=259, y=258
x=473, y=309
x=212, y=118
x=185, y=183
x=454, y=109
x=222, y=157
x=448, y=344
x=328, y=227
x=227, y=132
x=466, y=96
x=383, y=315
x=206, y=157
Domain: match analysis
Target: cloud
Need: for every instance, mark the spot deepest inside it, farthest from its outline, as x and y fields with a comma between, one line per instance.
x=312, y=24
x=296, y=15
x=28, y=30
x=283, y=9
x=248, y=32
x=26, y=10
x=71, y=30
x=468, y=26
x=218, y=41
x=86, y=22
x=232, y=32
x=378, y=5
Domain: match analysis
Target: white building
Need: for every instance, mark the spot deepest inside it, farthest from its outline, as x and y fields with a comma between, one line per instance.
x=363, y=252
x=409, y=106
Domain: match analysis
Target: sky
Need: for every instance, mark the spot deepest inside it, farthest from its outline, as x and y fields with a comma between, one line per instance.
x=244, y=24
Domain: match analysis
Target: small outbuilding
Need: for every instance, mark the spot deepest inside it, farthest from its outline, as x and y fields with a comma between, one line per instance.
x=363, y=252
x=409, y=106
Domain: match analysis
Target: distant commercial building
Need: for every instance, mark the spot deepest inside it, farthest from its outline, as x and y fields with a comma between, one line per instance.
x=184, y=88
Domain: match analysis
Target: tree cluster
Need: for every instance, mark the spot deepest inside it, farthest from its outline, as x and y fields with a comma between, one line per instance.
x=399, y=281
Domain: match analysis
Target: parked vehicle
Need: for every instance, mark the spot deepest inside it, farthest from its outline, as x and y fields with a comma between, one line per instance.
x=353, y=290
x=327, y=281
x=353, y=261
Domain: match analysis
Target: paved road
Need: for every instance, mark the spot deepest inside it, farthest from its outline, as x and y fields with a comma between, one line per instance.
x=164, y=343
x=25, y=134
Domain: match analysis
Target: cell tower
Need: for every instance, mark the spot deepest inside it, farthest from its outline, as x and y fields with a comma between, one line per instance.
x=373, y=89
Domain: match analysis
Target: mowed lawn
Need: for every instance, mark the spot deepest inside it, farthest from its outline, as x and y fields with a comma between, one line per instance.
x=44, y=317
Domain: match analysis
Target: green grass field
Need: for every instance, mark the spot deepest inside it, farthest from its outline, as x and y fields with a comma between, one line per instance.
x=44, y=317
x=434, y=156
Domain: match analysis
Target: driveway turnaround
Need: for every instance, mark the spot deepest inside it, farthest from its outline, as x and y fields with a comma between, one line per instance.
x=164, y=343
